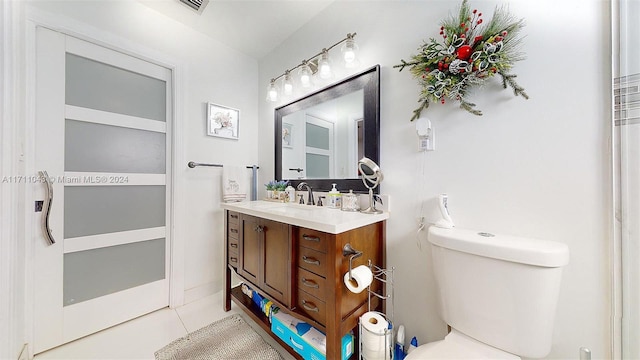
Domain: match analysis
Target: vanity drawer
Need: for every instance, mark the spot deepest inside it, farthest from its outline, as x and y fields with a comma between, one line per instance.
x=233, y=257
x=312, y=306
x=233, y=231
x=233, y=244
x=312, y=239
x=312, y=283
x=312, y=260
x=233, y=218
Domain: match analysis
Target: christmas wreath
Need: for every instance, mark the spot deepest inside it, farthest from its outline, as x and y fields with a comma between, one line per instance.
x=470, y=53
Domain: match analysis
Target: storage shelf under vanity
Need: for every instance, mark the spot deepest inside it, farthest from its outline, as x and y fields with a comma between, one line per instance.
x=279, y=251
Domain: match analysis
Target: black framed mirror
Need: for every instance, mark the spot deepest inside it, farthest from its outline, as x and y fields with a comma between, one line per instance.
x=320, y=137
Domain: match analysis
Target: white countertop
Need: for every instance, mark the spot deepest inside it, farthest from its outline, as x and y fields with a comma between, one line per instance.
x=333, y=221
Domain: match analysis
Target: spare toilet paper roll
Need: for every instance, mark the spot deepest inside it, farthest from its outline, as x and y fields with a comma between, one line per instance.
x=361, y=277
x=374, y=341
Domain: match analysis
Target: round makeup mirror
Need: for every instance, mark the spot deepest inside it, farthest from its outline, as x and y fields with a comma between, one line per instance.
x=371, y=177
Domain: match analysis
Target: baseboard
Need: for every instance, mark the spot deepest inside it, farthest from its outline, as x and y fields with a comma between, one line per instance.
x=24, y=354
x=199, y=292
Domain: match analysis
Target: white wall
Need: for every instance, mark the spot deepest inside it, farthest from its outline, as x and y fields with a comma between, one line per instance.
x=536, y=168
x=629, y=37
x=208, y=71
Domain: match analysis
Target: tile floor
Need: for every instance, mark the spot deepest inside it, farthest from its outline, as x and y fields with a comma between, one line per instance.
x=139, y=338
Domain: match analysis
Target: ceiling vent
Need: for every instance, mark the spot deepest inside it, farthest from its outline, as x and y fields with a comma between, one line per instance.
x=197, y=5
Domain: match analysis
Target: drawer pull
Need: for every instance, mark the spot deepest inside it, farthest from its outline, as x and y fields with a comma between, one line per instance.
x=234, y=216
x=310, y=283
x=259, y=228
x=233, y=259
x=311, y=238
x=313, y=308
x=310, y=260
x=233, y=230
x=233, y=245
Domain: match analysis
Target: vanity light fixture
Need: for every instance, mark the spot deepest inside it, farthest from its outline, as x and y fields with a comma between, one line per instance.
x=317, y=64
x=324, y=66
x=287, y=86
x=272, y=92
x=349, y=50
x=305, y=74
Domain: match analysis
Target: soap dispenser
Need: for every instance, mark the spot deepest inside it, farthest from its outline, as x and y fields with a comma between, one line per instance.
x=334, y=198
x=291, y=194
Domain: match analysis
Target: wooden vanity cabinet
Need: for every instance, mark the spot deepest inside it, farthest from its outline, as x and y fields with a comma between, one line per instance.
x=264, y=256
x=302, y=270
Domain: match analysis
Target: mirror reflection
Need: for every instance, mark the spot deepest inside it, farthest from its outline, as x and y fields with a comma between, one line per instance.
x=320, y=137
x=324, y=141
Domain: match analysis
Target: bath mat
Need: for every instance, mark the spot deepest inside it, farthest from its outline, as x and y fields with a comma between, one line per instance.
x=225, y=339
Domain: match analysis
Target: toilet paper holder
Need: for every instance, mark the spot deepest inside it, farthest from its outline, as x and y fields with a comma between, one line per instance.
x=347, y=250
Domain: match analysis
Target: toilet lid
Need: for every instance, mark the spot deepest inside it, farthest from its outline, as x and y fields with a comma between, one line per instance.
x=458, y=346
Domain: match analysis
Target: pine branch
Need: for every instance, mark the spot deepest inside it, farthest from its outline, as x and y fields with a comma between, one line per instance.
x=469, y=107
x=507, y=79
x=405, y=64
x=416, y=112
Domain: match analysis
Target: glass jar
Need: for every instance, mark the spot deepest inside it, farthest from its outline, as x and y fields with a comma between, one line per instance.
x=350, y=202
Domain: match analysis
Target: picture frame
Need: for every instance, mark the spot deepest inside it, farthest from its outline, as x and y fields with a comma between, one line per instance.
x=222, y=121
x=287, y=135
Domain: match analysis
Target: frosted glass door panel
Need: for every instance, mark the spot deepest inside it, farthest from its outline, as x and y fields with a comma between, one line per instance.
x=93, y=273
x=91, y=147
x=317, y=166
x=95, y=85
x=91, y=210
x=318, y=137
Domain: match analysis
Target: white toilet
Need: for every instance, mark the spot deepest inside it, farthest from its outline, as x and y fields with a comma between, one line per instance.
x=498, y=293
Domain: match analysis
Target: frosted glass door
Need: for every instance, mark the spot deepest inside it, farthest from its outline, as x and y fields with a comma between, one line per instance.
x=102, y=137
x=319, y=153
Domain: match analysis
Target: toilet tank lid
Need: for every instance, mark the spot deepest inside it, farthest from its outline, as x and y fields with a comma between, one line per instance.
x=504, y=247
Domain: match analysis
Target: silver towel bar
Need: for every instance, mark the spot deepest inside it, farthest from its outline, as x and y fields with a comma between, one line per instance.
x=192, y=164
x=254, y=176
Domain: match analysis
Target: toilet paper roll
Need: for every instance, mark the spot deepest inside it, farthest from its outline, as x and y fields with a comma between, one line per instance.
x=361, y=277
x=374, y=340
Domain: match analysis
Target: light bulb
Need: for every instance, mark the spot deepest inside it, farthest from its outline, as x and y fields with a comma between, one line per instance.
x=305, y=75
x=272, y=92
x=288, y=85
x=324, y=66
x=349, y=50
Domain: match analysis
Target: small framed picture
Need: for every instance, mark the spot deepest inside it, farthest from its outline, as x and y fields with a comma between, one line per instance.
x=287, y=135
x=222, y=121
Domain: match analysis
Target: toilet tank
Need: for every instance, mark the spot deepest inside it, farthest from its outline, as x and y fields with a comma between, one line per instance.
x=500, y=290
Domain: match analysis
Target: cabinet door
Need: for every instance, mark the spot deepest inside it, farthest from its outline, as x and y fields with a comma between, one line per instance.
x=277, y=262
x=250, y=249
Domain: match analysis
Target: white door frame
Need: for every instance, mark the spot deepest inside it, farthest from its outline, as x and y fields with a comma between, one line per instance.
x=12, y=247
x=71, y=27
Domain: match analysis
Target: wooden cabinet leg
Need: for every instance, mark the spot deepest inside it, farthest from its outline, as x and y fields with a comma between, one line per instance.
x=227, y=288
x=334, y=344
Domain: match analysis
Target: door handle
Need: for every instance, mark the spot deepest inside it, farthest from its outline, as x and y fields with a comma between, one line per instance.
x=46, y=208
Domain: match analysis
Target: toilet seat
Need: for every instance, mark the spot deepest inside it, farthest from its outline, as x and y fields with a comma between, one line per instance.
x=458, y=346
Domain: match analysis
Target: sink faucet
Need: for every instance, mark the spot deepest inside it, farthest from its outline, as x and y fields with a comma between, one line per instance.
x=310, y=200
